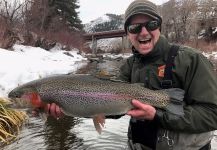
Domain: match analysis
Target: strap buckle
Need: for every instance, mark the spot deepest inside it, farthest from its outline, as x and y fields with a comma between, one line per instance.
x=166, y=84
x=166, y=135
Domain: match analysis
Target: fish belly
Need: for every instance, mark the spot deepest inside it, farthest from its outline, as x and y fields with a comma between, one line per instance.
x=89, y=106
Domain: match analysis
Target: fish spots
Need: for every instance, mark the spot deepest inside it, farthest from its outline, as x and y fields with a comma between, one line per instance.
x=83, y=95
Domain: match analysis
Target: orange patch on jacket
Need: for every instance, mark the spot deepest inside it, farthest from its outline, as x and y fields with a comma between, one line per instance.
x=161, y=71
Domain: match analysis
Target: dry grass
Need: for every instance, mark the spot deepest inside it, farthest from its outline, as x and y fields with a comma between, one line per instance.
x=203, y=45
x=10, y=121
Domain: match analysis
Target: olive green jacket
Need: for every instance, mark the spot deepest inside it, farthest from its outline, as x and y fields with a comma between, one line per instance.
x=191, y=72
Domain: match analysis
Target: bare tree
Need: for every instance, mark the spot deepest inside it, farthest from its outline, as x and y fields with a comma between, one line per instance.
x=180, y=19
x=10, y=12
x=208, y=16
x=171, y=22
x=10, y=15
x=39, y=15
x=187, y=10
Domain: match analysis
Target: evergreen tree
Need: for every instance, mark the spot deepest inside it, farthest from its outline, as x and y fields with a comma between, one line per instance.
x=67, y=10
x=53, y=14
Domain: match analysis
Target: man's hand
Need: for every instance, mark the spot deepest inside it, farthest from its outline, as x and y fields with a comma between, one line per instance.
x=54, y=110
x=142, y=111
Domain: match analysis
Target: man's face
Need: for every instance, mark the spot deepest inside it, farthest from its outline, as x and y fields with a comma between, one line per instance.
x=145, y=40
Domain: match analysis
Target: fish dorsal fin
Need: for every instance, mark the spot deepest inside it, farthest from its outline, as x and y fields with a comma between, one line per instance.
x=99, y=122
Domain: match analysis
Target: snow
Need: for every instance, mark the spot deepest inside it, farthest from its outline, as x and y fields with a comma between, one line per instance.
x=211, y=55
x=89, y=26
x=27, y=63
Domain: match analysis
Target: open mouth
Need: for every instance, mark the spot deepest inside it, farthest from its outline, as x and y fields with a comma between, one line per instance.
x=145, y=41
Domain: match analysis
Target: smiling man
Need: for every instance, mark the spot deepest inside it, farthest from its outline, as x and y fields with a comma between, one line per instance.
x=158, y=64
x=143, y=39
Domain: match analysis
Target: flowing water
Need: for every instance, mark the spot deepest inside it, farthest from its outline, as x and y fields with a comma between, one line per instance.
x=69, y=133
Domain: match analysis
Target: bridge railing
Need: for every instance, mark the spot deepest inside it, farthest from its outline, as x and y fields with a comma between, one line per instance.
x=102, y=35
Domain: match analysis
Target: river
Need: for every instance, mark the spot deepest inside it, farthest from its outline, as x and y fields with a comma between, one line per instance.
x=69, y=133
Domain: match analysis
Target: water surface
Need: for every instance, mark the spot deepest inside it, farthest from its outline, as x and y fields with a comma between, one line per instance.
x=70, y=133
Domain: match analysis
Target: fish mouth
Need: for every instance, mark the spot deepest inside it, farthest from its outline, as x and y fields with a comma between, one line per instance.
x=19, y=103
x=14, y=95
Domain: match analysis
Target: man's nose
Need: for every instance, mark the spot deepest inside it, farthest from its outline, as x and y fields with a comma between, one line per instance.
x=144, y=31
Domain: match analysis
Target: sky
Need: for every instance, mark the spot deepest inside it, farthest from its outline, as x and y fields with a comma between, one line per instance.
x=92, y=9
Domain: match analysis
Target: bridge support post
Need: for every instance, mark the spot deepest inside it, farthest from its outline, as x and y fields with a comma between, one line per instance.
x=94, y=45
x=123, y=43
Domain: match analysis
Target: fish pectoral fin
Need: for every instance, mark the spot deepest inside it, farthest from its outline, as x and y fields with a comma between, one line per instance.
x=99, y=122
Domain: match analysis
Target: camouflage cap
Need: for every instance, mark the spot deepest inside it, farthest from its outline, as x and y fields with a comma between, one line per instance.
x=141, y=7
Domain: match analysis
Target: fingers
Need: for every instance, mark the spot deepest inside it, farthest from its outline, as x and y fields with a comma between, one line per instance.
x=58, y=112
x=139, y=105
x=136, y=112
x=142, y=111
x=54, y=110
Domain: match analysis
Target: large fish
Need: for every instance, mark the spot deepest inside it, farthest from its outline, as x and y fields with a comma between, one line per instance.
x=88, y=96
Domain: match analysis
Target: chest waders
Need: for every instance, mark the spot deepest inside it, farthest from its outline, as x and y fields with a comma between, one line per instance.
x=169, y=140
x=161, y=137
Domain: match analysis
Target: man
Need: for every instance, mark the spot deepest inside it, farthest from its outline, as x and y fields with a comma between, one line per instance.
x=152, y=128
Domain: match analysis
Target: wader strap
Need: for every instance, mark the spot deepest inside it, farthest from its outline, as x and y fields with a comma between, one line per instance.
x=166, y=138
x=167, y=80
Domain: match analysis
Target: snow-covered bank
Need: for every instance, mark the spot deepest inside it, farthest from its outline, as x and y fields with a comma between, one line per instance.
x=211, y=55
x=27, y=63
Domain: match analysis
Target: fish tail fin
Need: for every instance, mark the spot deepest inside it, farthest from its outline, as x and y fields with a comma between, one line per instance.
x=176, y=103
x=99, y=122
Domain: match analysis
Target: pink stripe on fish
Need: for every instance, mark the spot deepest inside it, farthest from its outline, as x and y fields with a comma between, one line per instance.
x=101, y=95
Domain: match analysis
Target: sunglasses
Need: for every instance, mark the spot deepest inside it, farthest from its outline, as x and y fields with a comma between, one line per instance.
x=137, y=28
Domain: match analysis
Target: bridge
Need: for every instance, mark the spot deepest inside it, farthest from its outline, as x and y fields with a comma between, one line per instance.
x=102, y=35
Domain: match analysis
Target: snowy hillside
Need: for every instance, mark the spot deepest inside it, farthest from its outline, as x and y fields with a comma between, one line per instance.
x=89, y=26
x=105, y=23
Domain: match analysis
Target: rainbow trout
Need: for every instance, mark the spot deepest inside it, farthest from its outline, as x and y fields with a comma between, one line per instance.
x=88, y=96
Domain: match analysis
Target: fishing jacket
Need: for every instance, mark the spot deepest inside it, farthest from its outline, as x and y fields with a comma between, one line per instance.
x=191, y=72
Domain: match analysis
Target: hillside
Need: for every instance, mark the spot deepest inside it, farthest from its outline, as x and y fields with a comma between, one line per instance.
x=106, y=22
